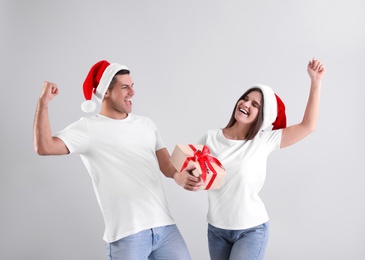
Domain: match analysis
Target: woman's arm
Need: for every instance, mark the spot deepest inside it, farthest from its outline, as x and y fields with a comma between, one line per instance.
x=295, y=133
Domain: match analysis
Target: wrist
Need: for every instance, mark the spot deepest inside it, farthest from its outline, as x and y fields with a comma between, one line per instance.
x=174, y=175
x=176, y=178
x=316, y=83
x=316, y=80
x=42, y=103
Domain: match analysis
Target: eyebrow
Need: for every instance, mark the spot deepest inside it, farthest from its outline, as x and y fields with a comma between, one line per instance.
x=256, y=103
x=253, y=101
x=127, y=85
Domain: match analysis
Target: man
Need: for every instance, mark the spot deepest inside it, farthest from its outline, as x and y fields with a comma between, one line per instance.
x=124, y=155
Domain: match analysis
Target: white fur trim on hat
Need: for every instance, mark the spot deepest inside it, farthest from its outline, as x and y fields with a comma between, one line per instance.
x=270, y=106
x=105, y=80
x=88, y=106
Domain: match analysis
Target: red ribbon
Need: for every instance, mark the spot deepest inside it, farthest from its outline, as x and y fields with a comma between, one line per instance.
x=204, y=160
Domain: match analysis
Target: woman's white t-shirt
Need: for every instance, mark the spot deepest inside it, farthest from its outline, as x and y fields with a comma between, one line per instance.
x=237, y=205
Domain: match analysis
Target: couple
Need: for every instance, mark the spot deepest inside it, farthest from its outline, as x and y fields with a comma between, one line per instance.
x=125, y=155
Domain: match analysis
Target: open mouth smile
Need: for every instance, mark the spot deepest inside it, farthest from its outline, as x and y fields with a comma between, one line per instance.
x=243, y=111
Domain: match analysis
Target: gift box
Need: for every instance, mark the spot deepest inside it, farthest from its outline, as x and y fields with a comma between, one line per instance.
x=207, y=166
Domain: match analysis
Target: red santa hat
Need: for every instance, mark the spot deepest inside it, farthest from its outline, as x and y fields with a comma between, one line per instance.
x=274, y=109
x=97, y=82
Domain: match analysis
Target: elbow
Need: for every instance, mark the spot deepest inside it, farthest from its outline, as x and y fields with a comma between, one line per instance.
x=168, y=172
x=39, y=151
x=165, y=173
x=309, y=128
x=312, y=128
x=49, y=147
x=309, y=131
x=38, y=147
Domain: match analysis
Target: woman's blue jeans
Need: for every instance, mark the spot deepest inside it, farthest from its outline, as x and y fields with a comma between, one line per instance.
x=245, y=244
x=161, y=243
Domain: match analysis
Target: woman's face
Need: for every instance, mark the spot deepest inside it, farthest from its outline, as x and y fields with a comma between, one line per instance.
x=247, y=110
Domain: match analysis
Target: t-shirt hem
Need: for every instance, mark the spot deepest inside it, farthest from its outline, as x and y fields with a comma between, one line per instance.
x=126, y=234
x=240, y=227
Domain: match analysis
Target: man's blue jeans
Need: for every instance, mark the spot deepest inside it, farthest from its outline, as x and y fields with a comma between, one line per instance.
x=245, y=244
x=161, y=243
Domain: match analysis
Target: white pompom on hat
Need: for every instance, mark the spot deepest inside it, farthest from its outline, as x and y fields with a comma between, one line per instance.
x=274, y=109
x=97, y=82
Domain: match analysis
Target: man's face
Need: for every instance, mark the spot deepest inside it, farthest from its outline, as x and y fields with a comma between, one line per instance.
x=119, y=98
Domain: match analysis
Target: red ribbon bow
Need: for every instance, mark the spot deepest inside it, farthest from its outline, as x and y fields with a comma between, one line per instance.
x=204, y=160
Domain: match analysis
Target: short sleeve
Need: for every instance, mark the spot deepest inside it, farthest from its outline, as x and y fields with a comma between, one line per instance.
x=76, y=137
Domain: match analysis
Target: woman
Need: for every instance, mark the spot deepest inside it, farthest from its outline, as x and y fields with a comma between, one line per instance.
x=238, y=222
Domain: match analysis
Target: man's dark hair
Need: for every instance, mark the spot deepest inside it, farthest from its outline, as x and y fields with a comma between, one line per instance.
x=121, y=72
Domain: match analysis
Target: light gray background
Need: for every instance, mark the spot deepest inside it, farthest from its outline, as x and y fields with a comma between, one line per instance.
x=190, y=61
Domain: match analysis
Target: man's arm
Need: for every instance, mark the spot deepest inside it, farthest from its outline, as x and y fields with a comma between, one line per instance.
x=184, y=179
x=44, y=142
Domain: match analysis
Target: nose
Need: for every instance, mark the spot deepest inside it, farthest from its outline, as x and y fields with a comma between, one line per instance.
x=246, y=104
x=131, y=91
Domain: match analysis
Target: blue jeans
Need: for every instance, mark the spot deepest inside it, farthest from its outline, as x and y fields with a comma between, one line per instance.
x=245, y=244
x=163, y=243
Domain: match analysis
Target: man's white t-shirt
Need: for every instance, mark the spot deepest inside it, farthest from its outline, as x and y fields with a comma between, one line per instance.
x=237, y=205
x=120, y=158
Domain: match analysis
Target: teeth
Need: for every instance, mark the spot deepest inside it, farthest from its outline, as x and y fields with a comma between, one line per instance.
x=243, y=111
